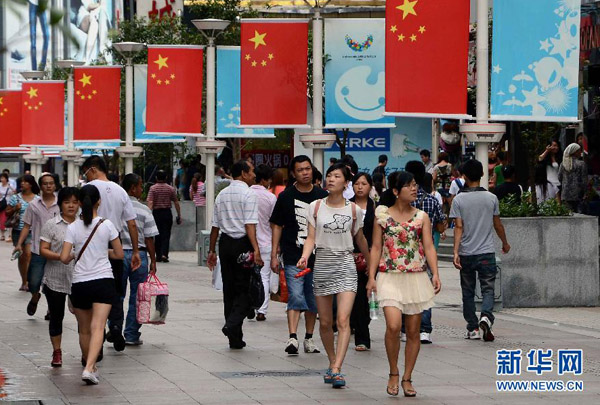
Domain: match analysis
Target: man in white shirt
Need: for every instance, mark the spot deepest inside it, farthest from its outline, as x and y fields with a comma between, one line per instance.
x=116, y=206
x=266, y=202
x=147, y=230
x=236, y=215
x=426, y=159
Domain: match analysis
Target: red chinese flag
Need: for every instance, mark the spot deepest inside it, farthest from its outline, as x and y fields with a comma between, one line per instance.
x=43, y=113
x=174, y=97
x=10, y=118
x=274, y=73
x=426, y=57
x=97, y=103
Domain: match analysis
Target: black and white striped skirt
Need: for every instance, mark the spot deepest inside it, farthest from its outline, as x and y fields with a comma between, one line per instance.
x=334, y=272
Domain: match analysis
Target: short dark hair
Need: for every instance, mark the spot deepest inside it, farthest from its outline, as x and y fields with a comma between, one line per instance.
x=342, y=167
x=317, y=175
x=508, y=171
x=425, y=153
x=333, y=160
x=417, y=169
x=348, y=160
x=4, y=175
x=403, y=180
x=130, y=180
x=501, y=155
x=263, y=172
x=367, y=177
x=5, y=171
x=66, y=193
x=299, y=159
x=383, y=158
x=473, y=169
x=427, y=183
x=94, y=161
x=239, y=167
x=161, y=175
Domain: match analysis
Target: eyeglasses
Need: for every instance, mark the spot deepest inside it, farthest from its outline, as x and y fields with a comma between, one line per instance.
x=86, y=172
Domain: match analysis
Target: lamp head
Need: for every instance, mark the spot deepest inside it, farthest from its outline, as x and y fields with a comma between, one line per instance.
x=128, y=49
x=33, y=74
x=68, y=63
x=211, y=27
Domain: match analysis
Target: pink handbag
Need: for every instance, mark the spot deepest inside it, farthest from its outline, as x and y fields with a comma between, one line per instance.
x=152, y=301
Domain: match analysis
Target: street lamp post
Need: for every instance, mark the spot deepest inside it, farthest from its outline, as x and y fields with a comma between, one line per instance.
x=128, y=50
x=482, y=132
x=317, y=140
x=71, y=153
x=211, y=29
x=34, y=157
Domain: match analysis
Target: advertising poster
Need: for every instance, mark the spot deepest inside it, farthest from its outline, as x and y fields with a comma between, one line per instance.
x=140, y=73
x=355, y=73
x=535, y=60
x=401, y=144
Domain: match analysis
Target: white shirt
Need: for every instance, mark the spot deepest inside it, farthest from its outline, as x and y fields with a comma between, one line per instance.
x=332, y=230
x=94, y=263
x=454, y=187
x=266, y=202
x=552, y=173
x=115, y=204
x=235, y=207
x=349, y=191
x=146, y=226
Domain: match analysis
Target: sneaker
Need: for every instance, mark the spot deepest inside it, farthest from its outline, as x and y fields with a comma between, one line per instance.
x=292, y=346
x=472, y=334
x=56, y=358
x=425, y=338
x=89, y=378
x=310, y=346
x=403, y=337
x=486, y=328
x=138, y=342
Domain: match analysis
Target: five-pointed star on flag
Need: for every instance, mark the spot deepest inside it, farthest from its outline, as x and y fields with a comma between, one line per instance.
x=401, y=37
x=32, y=92
x=1, y=102
x=161, y=62
x=258, y=39
x=413, y=37
x=85, y=80
x=393, y=28
x=408, y=8
x=422, y=29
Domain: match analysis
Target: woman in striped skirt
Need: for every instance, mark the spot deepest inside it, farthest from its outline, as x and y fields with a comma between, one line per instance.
x=334, y=224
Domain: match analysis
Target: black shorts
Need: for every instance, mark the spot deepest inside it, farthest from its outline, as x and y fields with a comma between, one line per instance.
x=86, y=293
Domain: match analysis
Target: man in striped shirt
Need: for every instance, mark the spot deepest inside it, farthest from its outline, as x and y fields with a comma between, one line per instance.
x=147, y=230
x=236, y=215
x=160, y=197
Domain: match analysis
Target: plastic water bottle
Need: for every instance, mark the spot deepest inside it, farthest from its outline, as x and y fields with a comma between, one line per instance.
x=373, y=306
x=15, y=255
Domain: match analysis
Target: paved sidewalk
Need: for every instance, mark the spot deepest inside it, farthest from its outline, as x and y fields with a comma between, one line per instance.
x=188, y=361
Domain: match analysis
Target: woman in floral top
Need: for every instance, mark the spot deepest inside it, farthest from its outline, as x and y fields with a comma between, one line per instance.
x=402, y=245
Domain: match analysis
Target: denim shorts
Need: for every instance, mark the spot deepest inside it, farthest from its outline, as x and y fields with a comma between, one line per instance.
x=35, y=272
x=300, y=290
x=15, y=233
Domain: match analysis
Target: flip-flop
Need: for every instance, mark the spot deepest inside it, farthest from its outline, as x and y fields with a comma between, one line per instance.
x=361, y=348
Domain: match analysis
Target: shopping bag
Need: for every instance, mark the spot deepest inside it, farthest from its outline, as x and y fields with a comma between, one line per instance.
x=256, y=289
x=217, y=280
x=152, y=301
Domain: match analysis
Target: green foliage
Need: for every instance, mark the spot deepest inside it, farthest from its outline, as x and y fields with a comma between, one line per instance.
x=510, y=207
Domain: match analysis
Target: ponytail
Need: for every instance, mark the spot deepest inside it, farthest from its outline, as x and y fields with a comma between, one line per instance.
x=89, y=197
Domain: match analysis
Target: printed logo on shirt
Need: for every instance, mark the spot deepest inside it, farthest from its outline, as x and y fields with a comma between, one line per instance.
x=301, y=210
x=339, y=224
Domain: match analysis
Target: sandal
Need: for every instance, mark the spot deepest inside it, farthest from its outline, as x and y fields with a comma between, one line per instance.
x=395, y=389
x=408, y=393
x=328, y=377
x=361, y=348
x=338, y=380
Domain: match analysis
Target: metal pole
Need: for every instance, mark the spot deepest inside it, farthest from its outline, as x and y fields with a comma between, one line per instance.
x=71, y=181
x=481, y=148
x=129, y=113
x=210, y=131
x=318, y=154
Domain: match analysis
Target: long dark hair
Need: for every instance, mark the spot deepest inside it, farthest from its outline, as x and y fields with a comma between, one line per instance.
x=378, y=183
x=559, y=155
x=28, y=178
x=541, y=177
x=66, y=193
x=89, y=196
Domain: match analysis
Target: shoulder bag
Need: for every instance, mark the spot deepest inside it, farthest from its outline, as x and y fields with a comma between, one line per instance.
x=87, y=242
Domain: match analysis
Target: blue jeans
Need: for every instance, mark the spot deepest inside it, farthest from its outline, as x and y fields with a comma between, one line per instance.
x=132, y=327
x=33, y=16
x=301, y=296
x=35, y=273
x=483, y=266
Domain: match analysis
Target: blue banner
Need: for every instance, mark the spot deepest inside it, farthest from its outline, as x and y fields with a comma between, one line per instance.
x=355, y=73
x=535, y=60
x=140, y=80
x=401, y=144
x=228, y=97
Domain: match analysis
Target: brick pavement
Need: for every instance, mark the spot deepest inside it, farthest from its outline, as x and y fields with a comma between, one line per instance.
x=187, y=361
